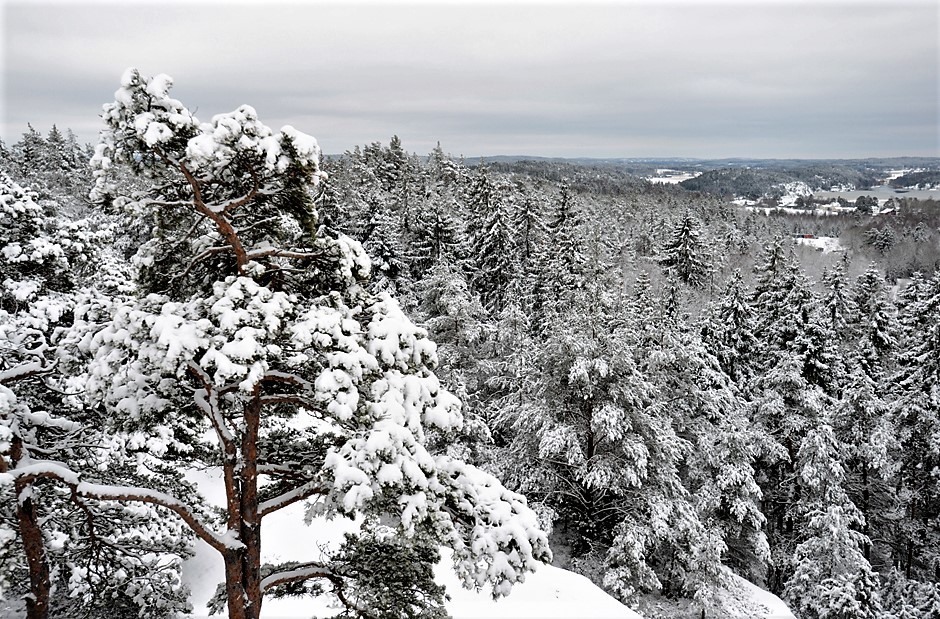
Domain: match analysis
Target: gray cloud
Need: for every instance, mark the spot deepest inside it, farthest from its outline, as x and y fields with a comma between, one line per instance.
x=784, y=79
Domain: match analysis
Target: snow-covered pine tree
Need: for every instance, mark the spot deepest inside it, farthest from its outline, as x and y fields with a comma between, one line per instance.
x=453, y=314
x=435, y=236
x=76, y=558
x=28, y=158
x=565, y=253
x=728, y=331
x=863, y=424
x=54, y=166
x=876, y=329
x=916, y=417
x=838, y=303
x=863, y=420
x=531, y=229
x=788, y=320
x=258, y=350
x=588, y=440
x=381, y=235
x=707, y=413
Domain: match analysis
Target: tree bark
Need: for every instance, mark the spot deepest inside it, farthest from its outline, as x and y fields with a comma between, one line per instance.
x=251, y=520
x=37, y=603
x=234, y=589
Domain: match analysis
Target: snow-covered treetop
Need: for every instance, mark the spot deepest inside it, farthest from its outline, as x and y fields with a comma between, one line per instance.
x=230, y=197
x=144, y=119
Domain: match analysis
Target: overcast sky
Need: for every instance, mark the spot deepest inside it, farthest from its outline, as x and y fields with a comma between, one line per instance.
x=621, y=79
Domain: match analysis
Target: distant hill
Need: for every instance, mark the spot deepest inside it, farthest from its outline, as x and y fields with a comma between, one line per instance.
x=927, y=179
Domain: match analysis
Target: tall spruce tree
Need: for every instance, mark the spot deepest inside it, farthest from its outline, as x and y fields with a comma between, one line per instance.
x=916, y=415
x=685, y=255
x=492, y=242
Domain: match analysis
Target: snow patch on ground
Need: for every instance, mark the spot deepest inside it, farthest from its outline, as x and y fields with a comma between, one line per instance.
x=775, y=608
x=825, y=244
x=740, y=599
x=666, y=176
x=549, y=593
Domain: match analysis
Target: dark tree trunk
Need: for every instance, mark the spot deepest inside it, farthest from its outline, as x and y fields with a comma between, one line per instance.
x=866, y=498
x=243, y=565
x=251, y=520
x=37, y=603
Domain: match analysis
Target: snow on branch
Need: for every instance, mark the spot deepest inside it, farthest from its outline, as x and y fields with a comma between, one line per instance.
x=289, y=498
x=298, y=574
x=28, y=471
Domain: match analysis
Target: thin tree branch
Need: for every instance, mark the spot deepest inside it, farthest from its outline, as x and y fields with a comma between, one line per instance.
x=289, y=498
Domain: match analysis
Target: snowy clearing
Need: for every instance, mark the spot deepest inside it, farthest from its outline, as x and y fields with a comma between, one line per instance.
x=671, y=177
x=825, y=244
x=549, y=592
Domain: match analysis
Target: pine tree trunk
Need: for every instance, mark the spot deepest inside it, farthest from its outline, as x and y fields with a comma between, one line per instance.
x=243, y=564
x=37, y=603
x=251, y=522
x=234, y=588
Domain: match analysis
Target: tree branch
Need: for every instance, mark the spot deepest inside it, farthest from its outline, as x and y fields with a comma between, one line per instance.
x=50, y=470
x=289, y=498
x=223, y=225
x=305, y=571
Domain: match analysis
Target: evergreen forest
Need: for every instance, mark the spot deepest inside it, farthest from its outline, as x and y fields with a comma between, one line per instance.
x=526, y=361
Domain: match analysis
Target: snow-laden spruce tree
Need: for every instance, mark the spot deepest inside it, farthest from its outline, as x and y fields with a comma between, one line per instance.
x=915, y=391
x=255, y=347
x=492, y=243
x=832, y=578
x=685, y=254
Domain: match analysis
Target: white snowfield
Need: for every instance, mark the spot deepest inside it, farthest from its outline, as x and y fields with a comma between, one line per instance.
x=825, y=244
x=550, y=592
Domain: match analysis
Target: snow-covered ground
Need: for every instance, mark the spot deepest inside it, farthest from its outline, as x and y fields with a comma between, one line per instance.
x=549, y=593
x=825, y=244
x=740, y=599
x=774, y=606
x=671, y=177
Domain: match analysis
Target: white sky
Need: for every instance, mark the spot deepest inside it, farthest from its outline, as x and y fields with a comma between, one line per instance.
x=614, y=79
